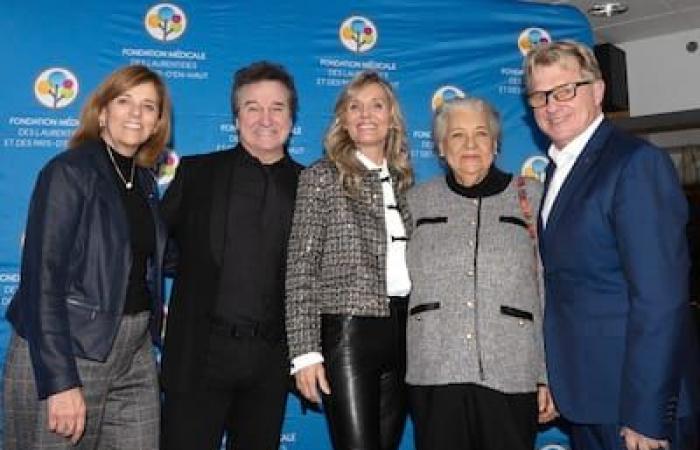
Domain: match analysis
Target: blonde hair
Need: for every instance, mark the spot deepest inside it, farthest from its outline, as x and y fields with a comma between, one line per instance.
x=557, y=53
x=112, y=87
x=341, y=149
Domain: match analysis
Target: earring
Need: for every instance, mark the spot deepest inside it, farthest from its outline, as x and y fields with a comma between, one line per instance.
x=102, y=123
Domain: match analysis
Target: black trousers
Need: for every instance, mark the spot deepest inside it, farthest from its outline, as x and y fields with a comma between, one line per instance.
x=243, y=393
x=365, y=361
x=472, y=417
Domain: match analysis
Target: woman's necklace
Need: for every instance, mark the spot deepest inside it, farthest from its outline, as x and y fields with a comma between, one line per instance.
x=129, y=184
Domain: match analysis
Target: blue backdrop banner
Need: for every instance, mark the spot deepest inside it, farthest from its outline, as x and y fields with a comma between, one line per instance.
x=55, y=55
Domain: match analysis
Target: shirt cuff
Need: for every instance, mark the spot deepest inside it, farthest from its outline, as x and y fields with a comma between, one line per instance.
x=305, y=360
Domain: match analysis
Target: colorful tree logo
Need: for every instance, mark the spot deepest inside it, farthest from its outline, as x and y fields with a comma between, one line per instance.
x=168, y=167
x=445, y=93
x=534, y=167
x=165, y=22
x=56, y=87
x=358, y=34
x=531, y=38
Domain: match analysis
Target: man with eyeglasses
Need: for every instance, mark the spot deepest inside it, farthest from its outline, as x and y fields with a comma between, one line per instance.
x=612, y=238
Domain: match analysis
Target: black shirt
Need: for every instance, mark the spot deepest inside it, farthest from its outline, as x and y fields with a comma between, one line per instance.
x=142, y=234
x=493, y=183
x=261, y=198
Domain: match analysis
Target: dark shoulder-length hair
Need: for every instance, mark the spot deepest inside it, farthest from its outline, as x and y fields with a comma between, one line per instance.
x=340, y=147
x=112, y=87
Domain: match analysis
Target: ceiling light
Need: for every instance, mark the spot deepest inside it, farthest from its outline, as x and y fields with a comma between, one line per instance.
x=607, y=9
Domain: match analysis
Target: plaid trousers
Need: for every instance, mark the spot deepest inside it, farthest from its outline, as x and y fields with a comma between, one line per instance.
x=121, y=395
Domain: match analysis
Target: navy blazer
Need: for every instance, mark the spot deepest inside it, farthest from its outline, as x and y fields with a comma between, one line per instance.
x=75, y=265
x=617, y=317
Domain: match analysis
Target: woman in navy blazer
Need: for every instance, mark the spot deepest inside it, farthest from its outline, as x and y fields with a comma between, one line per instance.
x=80, y=368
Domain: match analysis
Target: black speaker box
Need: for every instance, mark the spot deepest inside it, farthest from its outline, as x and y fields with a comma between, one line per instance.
x=613, y=64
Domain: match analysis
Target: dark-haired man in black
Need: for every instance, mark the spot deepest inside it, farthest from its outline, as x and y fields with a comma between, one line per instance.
x=225, y=365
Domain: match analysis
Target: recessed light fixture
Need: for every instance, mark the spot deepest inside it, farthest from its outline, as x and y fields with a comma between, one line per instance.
x=607, y=9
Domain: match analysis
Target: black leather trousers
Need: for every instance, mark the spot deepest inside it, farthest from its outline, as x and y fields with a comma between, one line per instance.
x=365, y=361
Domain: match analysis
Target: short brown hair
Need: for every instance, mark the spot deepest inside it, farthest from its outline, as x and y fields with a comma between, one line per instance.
x=112, y=87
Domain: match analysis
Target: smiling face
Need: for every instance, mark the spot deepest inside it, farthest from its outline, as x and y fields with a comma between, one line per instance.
x=130, y=119
x=563, y=121
x=367, y=118
x=264, y=119
x=468, y=145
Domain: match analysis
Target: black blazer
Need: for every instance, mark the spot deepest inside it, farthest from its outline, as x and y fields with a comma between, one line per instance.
x=75, y=265
x=195, y=208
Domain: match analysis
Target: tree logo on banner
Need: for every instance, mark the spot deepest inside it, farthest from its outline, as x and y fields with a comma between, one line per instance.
x=534, y=167
x=444, y=94
x=358, y=34
x=531, y=38
x=56, y=87
x=168, y=166
x=165, y=22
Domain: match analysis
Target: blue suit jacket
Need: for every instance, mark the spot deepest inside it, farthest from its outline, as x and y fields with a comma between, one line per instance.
x=618, y=334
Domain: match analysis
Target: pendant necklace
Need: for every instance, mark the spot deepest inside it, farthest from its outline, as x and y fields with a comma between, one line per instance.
x=128, y=184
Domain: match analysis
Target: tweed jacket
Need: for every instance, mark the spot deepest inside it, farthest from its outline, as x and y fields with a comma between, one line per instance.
x=336, y=263
x=475, y=312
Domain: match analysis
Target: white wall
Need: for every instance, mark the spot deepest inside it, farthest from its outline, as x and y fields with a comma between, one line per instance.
x=677, y=138
x=662, y=75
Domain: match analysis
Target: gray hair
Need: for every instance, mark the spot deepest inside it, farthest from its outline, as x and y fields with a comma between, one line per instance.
x=470, y=104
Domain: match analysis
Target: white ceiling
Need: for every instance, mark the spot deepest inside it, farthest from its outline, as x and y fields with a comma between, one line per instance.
x=643, y=19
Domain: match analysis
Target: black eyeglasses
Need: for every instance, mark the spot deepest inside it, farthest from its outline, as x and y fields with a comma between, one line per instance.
x=560, y=93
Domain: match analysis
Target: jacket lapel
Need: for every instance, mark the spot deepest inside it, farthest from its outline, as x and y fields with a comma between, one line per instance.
x=287, y=182
x=222, y=175
x=549, y=172
x=370, y=194
x=150, y=186
x=581, y=170
x=402, y=205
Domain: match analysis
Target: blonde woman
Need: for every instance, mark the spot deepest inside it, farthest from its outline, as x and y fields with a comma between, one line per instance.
x=347, y=280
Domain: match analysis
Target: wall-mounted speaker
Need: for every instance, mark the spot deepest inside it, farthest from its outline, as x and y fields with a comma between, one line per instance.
x=613, y=64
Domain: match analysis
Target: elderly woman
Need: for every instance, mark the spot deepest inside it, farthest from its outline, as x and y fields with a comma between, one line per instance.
x=346, y=273
x=80, y=372
x=475, y=353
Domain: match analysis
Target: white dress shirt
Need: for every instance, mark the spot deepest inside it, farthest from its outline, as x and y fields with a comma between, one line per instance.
x=398, y=284
x=564, y=161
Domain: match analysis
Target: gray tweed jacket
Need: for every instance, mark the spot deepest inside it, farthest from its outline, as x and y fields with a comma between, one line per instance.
x=475, y=312
x=336, y=263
